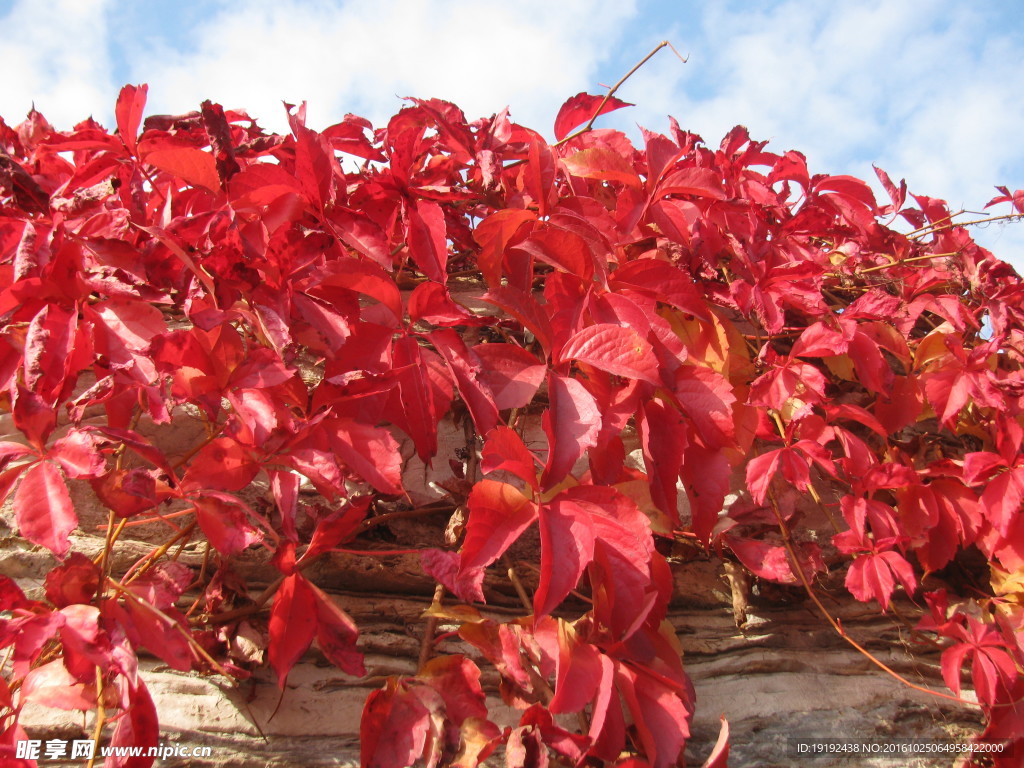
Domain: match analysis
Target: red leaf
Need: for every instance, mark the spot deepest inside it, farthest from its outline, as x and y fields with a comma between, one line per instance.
x=661, y=718
x=493, y=234
x=394, y=728
x=771, y=561
x=138, y=726
x=847, y=187
x=261, y=185
x=432, y=303
x=293, y=622
x=76, y=580
x=760, y=471
x=314, y=165
x=443, y=566
x=369, y=451
x=719, y=757
x=130, y=105
x=417, y=401
x=43, y=508
x=225, y=524
x=51, y=685
x=49, y=342
x=336, y=528
x=697, y=182
x=161, y=634
x=663, y=439
x=707, y=398
x=457, y=679
x=525, y=309
x=706, y=476
x=128, y=491
x=561, y=248
x=223, y=464
x=579, y=674
x=336, y=634
x=602, y=165
x=572, y=424
x=191, y=165
x=498, y=514
x=587, y=522
x=874, y=575
x=512, y=374
x=505, y=450
x=1000, y=501
x=78, y=454
x=580, y=109
x=566, y=548
x=163, y=584
x=364, y=236
x=661, y=281
x=466, y=368
x=425, y=233
x=33, y=416
x=613, y=348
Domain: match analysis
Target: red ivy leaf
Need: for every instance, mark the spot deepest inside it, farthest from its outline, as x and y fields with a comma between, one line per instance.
x=138, y=726
x=293, y=621
x=225, y=524
x=43, y=508
x=873, y=576
x=191, y=165
x=336, y=634
x=131, y=103
x=504, y=450
x=498, y=514
x=580, y=109
x=572, y=424
x=613, y=348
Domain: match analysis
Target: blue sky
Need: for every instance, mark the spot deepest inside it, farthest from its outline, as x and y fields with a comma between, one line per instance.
x=929, y=90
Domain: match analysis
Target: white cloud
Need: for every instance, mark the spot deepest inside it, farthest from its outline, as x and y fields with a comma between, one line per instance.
x=360, y=56
x=54, y=53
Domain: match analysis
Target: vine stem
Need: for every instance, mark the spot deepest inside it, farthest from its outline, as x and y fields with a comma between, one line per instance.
x=101, y=718
x=429, y=630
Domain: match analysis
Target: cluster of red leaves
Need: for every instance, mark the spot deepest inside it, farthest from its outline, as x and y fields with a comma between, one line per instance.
x=721, y=312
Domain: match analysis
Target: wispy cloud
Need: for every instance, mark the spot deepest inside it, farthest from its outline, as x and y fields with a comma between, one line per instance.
x=361, y=56
x=54, y=54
